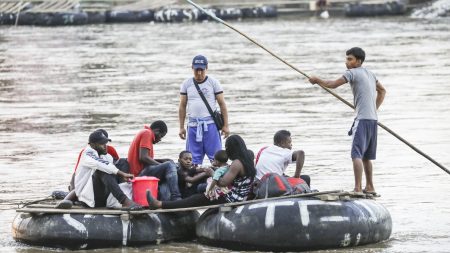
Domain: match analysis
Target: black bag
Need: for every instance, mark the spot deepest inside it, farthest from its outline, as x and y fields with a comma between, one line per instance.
x=216, y=115
x=218, y=119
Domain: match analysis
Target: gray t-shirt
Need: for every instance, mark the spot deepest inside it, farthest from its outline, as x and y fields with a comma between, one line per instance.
x=196, y=108
x=363, y=84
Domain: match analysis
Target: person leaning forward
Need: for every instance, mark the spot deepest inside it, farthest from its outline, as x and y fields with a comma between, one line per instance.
x=368, y=95
x=277, y=157
x=95, y=177
x=142, y=162
x=202, y=135
x=109, y=149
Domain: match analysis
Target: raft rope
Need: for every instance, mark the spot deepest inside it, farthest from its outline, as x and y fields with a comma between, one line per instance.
x=213, y=16
x=22, y=204
x=25, y=204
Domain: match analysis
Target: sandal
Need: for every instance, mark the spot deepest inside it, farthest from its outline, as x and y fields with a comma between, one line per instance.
x=132, y=207
x=64, y=204
x=373, y=194
x=356, y=194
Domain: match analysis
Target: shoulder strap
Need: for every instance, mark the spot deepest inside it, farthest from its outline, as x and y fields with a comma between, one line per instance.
x=203, y=98
x=259, y=154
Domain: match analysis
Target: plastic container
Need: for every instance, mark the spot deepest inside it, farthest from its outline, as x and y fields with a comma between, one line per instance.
x=140, y=187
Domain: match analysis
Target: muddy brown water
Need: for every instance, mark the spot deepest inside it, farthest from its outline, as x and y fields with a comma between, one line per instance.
x=58, y=84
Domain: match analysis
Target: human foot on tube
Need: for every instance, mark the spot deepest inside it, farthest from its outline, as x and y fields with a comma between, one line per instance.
x=152, y=203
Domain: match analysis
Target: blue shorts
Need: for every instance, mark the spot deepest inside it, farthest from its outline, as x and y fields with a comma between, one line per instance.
x=364, y=145
x=210, y=144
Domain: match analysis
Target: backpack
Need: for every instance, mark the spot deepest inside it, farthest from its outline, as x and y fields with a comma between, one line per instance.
x=272, y=185
x=298, y=185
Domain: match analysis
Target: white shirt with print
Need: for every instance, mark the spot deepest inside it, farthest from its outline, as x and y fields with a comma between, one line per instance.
x=210, y=88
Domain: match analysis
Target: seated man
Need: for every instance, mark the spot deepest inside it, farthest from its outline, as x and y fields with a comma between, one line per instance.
x=142, y=162
x=71, y=197
x=109, y=149
x=276, y=158
x=95, y=177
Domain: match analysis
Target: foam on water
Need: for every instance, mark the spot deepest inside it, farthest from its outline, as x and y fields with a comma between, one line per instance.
x=438, y=9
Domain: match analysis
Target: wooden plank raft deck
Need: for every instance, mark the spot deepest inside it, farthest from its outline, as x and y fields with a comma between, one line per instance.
x=337, y=195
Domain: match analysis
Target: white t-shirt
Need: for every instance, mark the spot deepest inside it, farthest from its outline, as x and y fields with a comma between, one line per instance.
x=273, y=159
x=196, y=108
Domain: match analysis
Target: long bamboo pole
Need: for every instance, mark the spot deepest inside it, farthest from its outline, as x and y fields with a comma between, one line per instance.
x=213, y=16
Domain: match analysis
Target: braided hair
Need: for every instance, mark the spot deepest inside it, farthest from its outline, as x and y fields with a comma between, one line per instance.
x=236, y=149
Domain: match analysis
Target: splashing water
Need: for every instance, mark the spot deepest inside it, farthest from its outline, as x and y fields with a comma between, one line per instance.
x=440, y=8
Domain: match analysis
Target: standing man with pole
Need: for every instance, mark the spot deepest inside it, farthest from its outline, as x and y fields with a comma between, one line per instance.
x=196, y=95
x=368, y=95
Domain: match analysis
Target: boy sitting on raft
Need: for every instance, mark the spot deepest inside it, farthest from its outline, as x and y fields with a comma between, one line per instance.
x=191, y=179
x=277, y=157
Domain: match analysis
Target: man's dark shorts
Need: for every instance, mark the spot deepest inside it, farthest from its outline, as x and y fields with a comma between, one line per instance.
x=364, y=144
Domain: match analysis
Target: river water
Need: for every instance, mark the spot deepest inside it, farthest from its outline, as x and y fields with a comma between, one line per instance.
x=59, y=84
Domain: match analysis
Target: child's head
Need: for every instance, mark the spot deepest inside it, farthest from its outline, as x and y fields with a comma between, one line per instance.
x=355, y=57
x=220, y=158
x=283, y=139
x=185, y=159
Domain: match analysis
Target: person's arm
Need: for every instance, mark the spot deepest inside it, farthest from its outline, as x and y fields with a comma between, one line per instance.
x=200, y=169
x=162, y=160
x=381, y=92
x=327, y=83
x=223, y=109
x=145, y=158
x=235, y=169
x=125, y=176
x=197, y=177
x=299, y=158
x=182, y=116
x=92, y=161
x=210, y=191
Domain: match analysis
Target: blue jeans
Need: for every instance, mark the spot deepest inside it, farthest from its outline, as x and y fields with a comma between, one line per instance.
x=167, y=173
x=164, y=192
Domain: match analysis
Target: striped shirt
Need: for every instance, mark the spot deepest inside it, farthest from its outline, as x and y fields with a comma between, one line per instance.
x=241, y=188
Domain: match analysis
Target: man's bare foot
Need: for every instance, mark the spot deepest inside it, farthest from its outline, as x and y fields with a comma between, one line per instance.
x=152, y=203
x=357, y=190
